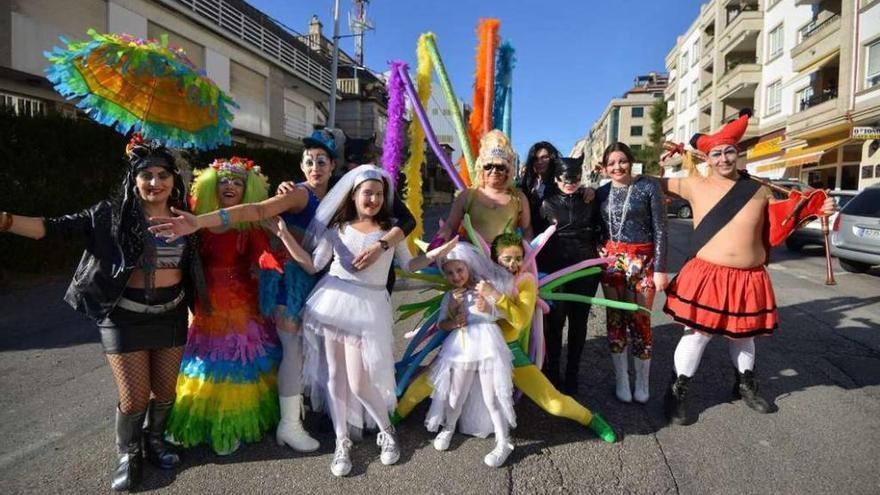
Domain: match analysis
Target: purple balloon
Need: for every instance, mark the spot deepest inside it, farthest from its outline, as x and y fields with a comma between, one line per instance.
x=429, y=132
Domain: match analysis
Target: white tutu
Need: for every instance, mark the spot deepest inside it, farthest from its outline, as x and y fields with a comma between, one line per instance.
x=357, y=315
x=481, y=348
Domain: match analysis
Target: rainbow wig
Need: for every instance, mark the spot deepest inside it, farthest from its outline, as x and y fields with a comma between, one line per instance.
x=204, y=188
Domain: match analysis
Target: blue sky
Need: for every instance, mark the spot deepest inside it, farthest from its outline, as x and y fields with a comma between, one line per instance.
x=572, y=56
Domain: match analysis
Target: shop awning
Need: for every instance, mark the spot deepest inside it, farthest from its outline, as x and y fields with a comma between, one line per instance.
x=800, y=156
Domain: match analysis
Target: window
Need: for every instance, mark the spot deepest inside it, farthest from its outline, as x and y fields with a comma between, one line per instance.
x=22, y=105
x=635, y=147
x=695, y=53
x=683, y=99
x=775, y=42
x=681, y=135
x=638, y=112
x=635, y=130
x=692, y=128
x=684, y=62
x=872, y=74
x=774, y=97
x=695, y=89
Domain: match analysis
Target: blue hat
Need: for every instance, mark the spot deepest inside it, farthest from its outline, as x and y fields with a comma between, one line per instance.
x=322, y=139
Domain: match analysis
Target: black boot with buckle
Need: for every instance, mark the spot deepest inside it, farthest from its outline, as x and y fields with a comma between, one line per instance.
x=155, y=449
x=128, y=472
x=746, y=389
x=675, y=402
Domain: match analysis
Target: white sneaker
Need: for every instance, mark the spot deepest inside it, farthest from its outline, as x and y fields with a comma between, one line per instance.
x=499, y=454
x=341, y=464
x=387, y=441
x=443, y=439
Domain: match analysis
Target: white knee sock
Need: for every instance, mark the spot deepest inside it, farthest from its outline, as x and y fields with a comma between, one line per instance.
x=499, y=424
x=689, y=352
x=742, y=352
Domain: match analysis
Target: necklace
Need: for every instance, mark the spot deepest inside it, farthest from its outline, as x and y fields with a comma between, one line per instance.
x=615, y=237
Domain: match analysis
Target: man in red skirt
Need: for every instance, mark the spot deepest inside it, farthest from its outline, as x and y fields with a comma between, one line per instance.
x=724, y=289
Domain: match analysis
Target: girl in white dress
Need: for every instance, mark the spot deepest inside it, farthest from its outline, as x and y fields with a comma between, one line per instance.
x=472, y=375
x=348, y=316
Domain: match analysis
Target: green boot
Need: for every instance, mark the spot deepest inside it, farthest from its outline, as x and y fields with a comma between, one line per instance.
x=602, y=429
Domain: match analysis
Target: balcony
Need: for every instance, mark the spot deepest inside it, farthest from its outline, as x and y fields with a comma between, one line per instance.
x=817, y=40
x=258, y=33
x=743, y=28
x=811, y=100
x=707, y=85
x=669, y=123
x=669, y=92
x=739, y=81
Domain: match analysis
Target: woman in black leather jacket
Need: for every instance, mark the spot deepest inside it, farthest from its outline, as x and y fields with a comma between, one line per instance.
x=137, y=288
x=575, y=240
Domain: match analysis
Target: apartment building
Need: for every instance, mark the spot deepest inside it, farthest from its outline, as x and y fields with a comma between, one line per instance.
x=626, y=119
x=280, y=84
x=809, y=69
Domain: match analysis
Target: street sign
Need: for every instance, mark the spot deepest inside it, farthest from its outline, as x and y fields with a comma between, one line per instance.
x=865, y=133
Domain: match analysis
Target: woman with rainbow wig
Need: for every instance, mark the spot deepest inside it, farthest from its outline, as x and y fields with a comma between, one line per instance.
x=226, y=389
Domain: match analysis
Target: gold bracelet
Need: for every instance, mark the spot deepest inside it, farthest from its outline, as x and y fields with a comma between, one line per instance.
x=7, y=221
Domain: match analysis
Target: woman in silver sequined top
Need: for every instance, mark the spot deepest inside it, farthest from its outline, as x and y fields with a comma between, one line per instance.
x=634, y=233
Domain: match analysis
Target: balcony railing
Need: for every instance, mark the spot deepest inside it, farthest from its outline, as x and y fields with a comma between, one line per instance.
x=813, y=100
x=294, y=57
x=815, y=27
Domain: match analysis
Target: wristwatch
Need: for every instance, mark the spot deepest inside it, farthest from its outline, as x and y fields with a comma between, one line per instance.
x=384, y=244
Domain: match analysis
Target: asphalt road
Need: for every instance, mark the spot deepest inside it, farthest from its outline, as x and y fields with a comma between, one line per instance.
x=822, y=370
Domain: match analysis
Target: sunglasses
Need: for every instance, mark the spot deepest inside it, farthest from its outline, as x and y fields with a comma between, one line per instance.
x=498, y=167
x=235, y=181
x=730, y=150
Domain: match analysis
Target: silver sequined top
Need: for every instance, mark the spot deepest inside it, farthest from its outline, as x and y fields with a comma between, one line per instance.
x=645, y=218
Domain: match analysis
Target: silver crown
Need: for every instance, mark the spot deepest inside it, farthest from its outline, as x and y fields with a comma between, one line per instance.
x=498, y=153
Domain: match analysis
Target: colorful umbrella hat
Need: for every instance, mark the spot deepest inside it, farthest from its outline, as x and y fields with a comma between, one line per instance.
x=147, y=86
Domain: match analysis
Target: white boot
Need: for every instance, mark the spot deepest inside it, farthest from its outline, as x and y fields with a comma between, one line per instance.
x=290, y=429
x=621, y=375
x=643, y=372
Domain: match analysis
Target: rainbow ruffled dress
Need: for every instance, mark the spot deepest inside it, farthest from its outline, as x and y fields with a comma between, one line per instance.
x=227, y=389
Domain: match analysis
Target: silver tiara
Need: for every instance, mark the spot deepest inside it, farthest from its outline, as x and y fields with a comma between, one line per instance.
x=498, y=153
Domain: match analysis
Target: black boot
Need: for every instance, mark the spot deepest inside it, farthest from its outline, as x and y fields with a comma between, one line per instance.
x=127, y=474
x=675, y=404
x=747, y=389
x=155, y=450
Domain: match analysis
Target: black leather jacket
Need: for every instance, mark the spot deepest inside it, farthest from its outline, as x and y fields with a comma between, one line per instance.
x=577, y=230
x=95, y=289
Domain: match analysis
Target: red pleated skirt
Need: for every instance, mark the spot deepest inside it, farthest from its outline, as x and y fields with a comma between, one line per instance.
x=736, y=302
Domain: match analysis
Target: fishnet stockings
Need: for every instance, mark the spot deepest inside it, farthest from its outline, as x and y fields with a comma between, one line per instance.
x=140, y=373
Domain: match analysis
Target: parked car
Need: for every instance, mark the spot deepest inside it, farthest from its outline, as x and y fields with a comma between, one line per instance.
x=811, y=232
x=678, y=207
x=791, y=184
x=855, y=238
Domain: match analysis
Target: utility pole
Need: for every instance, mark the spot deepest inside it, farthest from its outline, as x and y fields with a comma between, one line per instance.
x=334, y=67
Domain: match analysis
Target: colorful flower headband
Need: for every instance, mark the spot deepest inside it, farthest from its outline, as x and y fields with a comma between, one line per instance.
x=234, y=167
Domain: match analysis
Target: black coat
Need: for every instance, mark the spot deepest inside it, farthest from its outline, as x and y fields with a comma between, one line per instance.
x=98, y=282
x=577, y=230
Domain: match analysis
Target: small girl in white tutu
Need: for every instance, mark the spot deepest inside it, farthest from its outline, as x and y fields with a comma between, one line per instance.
x=472, y=375
x=347, y=319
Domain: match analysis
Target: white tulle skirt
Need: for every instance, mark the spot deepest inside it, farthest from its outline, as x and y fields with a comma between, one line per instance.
x=479, y=348
x=354, y=314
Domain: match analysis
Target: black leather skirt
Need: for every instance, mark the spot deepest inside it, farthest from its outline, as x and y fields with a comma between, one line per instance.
x=143, y=329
